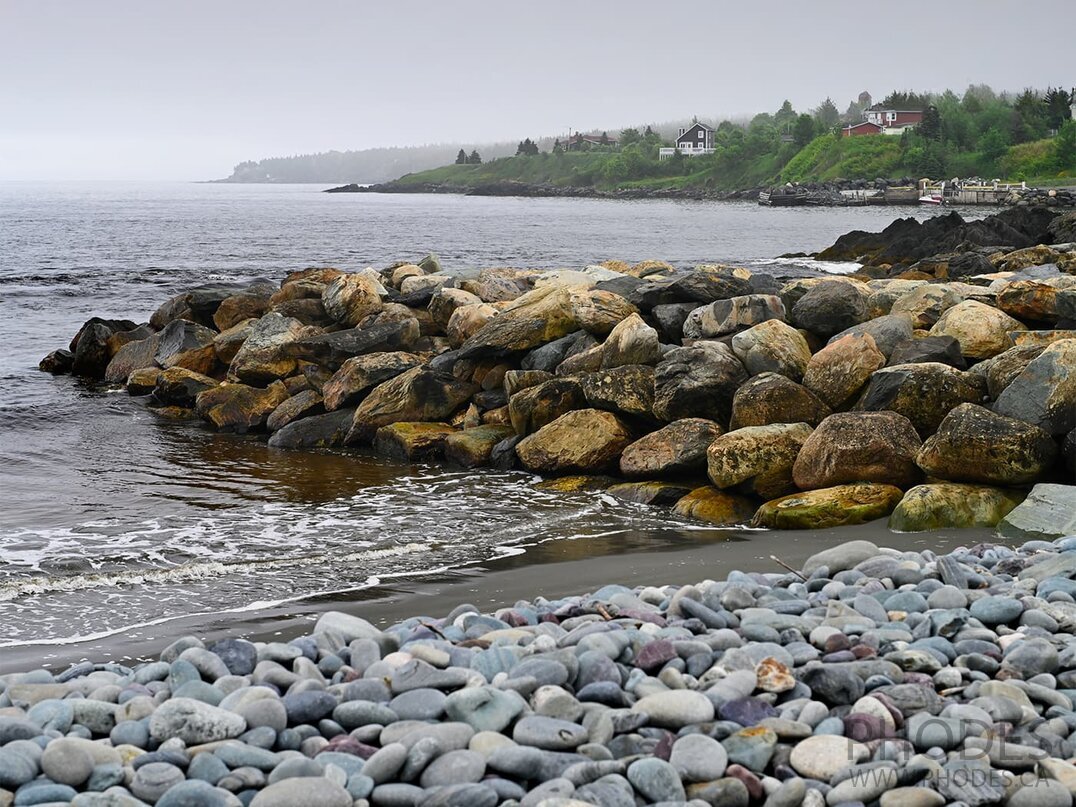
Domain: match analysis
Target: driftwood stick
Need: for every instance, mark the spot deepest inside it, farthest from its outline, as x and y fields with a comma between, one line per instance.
x=780, y=562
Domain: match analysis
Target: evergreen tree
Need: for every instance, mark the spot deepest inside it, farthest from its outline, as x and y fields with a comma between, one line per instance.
x=1065, y=146
x=931, y=126
x=557, y=147
x=461, y=158
x=474, y=158
x=827, y=114
x=629, y=137
x=785, y=116
x=526, y=148
x=1057, y=107
x=605, y=139
x=804, y=130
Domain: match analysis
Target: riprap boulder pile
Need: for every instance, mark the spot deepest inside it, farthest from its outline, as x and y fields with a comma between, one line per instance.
x=808, y=403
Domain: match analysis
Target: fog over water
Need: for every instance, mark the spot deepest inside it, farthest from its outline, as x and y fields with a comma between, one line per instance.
x=126, y=89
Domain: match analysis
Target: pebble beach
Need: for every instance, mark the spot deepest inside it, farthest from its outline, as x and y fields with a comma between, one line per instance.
x=865, y=676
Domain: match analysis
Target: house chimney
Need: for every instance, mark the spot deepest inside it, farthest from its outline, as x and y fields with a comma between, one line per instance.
x=682, y=130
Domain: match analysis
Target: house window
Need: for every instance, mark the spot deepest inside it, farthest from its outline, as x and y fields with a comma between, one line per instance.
x=891, y=116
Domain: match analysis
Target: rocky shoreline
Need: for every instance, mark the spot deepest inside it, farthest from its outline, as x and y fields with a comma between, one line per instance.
x=834, y=193
x=867, y=676
x=937, y=390
x=516, y=188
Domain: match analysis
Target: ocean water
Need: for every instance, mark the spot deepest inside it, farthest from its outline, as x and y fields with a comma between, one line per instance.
x=111, y=518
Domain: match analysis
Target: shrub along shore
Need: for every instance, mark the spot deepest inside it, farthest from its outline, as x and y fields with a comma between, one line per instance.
x=933, y=388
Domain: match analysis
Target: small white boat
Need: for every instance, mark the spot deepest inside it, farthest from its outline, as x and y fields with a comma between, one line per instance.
x=936, y=199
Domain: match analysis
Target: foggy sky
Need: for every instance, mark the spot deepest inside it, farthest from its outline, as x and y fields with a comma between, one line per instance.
x=106, y=89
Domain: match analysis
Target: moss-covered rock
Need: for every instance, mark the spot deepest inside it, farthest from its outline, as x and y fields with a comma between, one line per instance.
x=981, y=330
x=714, y=506
x=772, y=347
x=773, y=398
x=974, y=444
x=262, y=357
x=838, y=372
x=924, y=393
x=628, y=389
x=838, y=506
x=350, y=298
x=472, y=447
x=697, y=382
x=239, y=407
x=326, y=430
x=674, y=450
x=412, y=441
x=418, y=394
x=583, y=440
x=302, y=404
x=948, y=504
x=358, y=375
x=534, y=407
x=757, y=459
x=579, y=483
x=859, y=447
x=654, y=492
x=179, y=386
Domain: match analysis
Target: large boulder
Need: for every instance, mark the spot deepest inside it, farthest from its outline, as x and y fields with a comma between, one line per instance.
x=773, y=398
x=1045, y=392
x=418, y=394
x=499, y=284
x=632, y=341
x=732, y=315
x=1048, y=513
x=445, y=301
x=973, y=444
x=826, y=508
x=534, y=407
x=887, y=332
x=239, y=407
x=698, y=286
x=923, y=393
x=262, y=358
x=757, y=459
x=981, y=330
x=1038, y=301
x=178, y=386
x=317, y=431
x=536, y=318
x=628, y=389
x=598, y=312
x=859, y=447
x=697, y=381
x=773, y=347
x=303, y=404
x=227, y=343
x=837, y=372
x=884, y=293
x=412, y=441
x=233, y=310
x=926, y=304
x=1001, y=370
x=943, y=349
x=944, y=505
x=674, y=450
x=331, y=350
x=138, y=355
x=831, y=307
x=357, y=375
x=466, y=321
x=586, y=441
x=472, y=447
x=549, y=357
x=179, y=339
x=717, y=507
x=201, y=303
x=349, y=299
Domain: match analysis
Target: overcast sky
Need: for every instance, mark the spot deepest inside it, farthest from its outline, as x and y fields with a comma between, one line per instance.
x=106, y=89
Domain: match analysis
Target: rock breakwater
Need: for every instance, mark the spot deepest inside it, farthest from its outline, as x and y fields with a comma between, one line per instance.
x=868, y=676
x=731, y=396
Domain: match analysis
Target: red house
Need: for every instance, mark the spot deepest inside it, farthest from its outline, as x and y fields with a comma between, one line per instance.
x=864, y=128
x=893, y=118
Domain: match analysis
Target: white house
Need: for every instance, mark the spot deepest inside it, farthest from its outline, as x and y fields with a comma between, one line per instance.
x=695, y=140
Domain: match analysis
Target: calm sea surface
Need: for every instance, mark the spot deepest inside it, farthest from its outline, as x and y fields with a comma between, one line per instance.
x=110, y=518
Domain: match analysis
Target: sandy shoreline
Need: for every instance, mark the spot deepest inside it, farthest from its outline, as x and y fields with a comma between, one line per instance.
x=553, y=568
